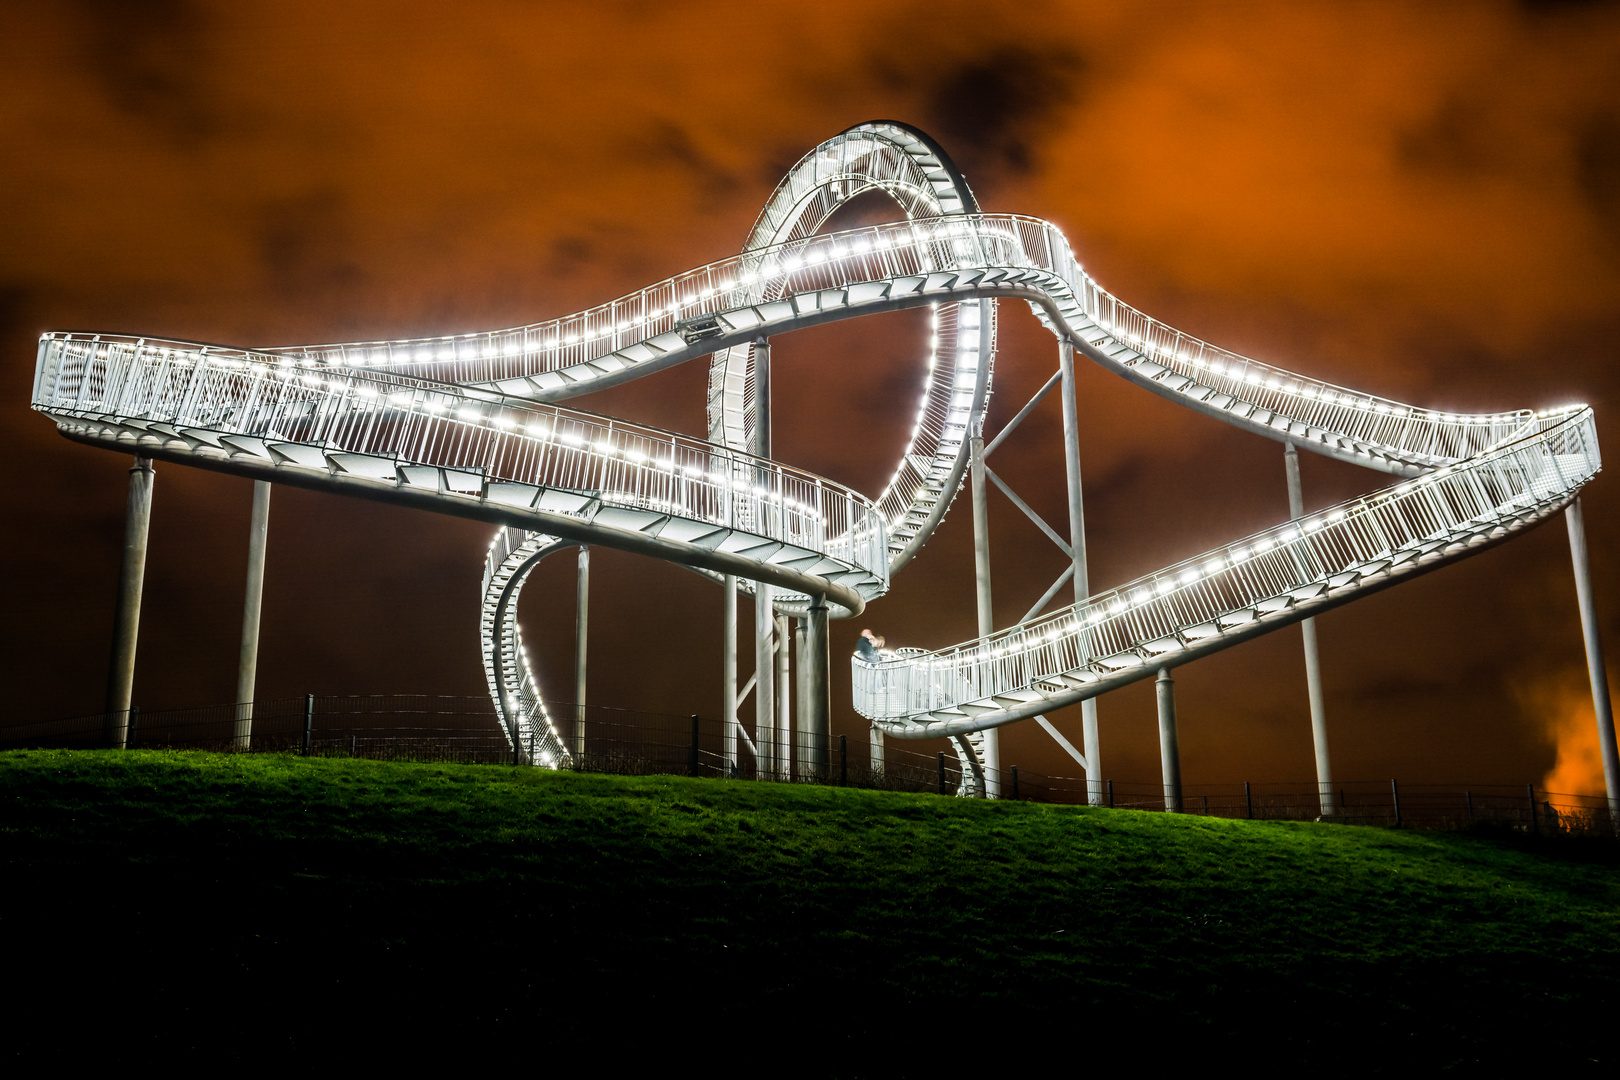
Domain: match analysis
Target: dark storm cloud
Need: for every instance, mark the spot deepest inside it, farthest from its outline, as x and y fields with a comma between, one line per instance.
x=305, y=243
x=151, y=59
x=668, y=144
x=1597, y=160
x=992, y=109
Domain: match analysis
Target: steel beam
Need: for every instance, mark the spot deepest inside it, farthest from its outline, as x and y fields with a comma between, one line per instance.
x=1169, y=744
x=1575, y=520
x=1077, y=544
x=1313, y=664
x=582, y=611
x=127, y=614
x=247, y=658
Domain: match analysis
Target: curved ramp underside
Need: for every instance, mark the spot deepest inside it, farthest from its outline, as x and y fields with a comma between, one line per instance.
x=468, y=425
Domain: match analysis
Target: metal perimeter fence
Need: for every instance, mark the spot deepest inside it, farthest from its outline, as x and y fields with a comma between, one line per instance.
x=602, y=739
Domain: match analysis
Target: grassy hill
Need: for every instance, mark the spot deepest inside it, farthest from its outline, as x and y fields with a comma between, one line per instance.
x=254, y=908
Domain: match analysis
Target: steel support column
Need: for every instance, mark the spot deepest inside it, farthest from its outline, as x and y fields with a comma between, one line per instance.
x=1575, y=519
x=582, y=612
x=815, y=707
x=1313, y=666
x=764, y=683
x=876, y=761
x=127, y=614
x=247, y=658
x=1169, y=745
x=768, y=758
x=784, y=698
x=728, y=681
x=1090, y=741
x=981, y=577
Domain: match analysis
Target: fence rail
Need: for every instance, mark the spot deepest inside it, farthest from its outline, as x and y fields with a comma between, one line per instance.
x=427, y=728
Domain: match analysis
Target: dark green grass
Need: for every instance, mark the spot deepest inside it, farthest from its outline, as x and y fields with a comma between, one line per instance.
x=256, y=907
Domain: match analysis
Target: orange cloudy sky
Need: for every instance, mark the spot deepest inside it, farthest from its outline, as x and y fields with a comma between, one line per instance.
x=1418, y=200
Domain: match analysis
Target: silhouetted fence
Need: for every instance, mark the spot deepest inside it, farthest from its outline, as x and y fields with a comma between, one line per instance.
x=420, y=727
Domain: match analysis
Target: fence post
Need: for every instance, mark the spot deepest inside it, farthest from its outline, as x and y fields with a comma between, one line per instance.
x=1530, y=793
x=1468, y=798
x=843, y=761
x=1248, y=799
x=309, y=720
x=134, y=726
x=939, y=762
x=1015, y=783
x=1395, y=794
x=1206, y=806
x=1110, y=794
x=692, y=751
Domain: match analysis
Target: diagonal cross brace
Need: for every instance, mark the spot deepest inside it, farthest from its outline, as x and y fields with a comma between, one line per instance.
x=1065, y=743
x=1063, y=545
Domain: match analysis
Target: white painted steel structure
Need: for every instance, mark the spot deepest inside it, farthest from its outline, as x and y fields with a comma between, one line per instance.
x=467, y=425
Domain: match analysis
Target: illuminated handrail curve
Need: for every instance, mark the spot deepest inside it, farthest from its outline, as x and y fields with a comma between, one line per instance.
x=465, y=425
x=1233, y=592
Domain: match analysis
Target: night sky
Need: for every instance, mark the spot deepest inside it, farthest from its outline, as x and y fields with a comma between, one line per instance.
x=1419, y=200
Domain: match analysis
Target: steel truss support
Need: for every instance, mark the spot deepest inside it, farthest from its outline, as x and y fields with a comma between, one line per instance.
x=247, y=661
x=1077, y=544
x=728, y=681
x=1169, y=744
x=582, y=611
x=1575, y=520
x=1313, y=664
x=127, y=614
x=991, y=739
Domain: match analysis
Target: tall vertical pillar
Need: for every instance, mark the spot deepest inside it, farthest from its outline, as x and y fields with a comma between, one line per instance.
x=127, y=613
x=768, y=763
x=877, y=762
x=1091, y=741
x=764, y=682
x=728, y=681
x=247, y=659
x=1169, y=745
x=1575, y=519
x=1313, y=667
x=784, y=699
x=991, y=739
x=582, y=613
x=815, y=702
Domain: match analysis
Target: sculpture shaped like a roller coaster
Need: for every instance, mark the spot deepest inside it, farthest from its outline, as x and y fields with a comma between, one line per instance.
x=468, y=425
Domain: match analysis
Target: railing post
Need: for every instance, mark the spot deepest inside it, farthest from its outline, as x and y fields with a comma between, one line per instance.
x=692, y=751
x=127, y=615
x=939, y=763
x=309, y=721
x=1395, y=796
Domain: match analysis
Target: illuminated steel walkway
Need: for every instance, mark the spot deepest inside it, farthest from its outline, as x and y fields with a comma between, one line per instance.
x=468, y=425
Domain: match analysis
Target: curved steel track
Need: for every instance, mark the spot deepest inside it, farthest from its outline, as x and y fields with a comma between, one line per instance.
x=468, y=425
